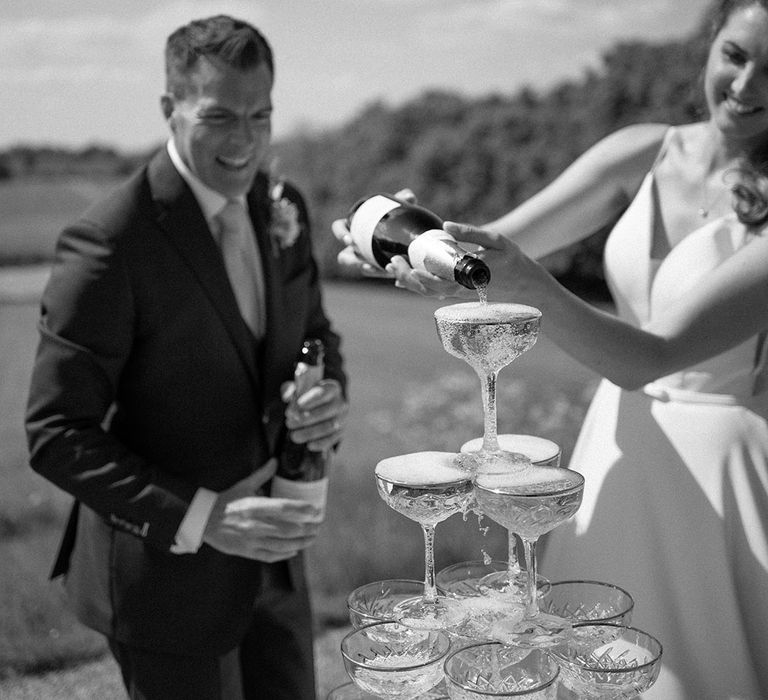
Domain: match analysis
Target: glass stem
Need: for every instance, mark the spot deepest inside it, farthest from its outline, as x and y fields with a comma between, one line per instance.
x=513, y=565
x=430, y=590
x=490, y=435
x=532, y=602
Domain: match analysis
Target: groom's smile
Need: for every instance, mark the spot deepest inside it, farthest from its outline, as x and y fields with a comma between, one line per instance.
x=222, y=124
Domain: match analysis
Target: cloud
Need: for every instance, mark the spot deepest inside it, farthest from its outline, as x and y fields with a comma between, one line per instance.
x=83, y=64
x=547, y=17
x=92, y=46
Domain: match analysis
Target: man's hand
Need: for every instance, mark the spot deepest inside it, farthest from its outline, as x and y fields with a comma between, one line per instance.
x=318, y=416
x=349, y=258
x=257, y=527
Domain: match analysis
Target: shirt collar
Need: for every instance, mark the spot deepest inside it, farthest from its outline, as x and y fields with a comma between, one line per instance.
x=210, y=201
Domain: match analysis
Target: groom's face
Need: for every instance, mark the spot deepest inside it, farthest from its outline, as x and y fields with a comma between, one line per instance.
x=222, y=123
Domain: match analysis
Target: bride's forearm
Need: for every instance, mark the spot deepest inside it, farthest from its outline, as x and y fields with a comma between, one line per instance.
x=628, y=356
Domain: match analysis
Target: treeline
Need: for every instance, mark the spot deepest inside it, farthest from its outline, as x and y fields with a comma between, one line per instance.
x=467, y=159
x=51, y=162
x=473, y=160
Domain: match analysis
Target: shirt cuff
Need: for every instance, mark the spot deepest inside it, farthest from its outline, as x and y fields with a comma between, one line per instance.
x=189, y=536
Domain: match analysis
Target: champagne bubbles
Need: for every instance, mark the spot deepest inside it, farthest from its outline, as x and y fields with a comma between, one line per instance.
x=487, y=336
x=493, y=312
x=422, y=469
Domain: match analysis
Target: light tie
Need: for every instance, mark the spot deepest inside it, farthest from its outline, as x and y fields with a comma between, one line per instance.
x=243, y=263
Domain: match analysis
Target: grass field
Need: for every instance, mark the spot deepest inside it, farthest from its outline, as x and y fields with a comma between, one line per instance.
x=407, y=395
x=33, y=212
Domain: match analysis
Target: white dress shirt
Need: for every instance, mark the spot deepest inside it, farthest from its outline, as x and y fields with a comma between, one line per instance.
x=189, y=536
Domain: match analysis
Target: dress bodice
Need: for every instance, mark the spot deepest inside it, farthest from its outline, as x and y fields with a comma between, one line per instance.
x=644, y=288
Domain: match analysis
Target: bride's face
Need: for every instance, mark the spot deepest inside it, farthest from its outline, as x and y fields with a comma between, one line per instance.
x=736, y=79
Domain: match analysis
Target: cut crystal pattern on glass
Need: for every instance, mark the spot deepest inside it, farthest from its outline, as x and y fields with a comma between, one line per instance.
x=391, y=660
x=375, y=602
x=588, y=601
x=495, y=670
x=606, y=661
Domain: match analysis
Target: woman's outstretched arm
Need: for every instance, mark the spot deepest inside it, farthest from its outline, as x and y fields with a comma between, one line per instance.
x=589, y=194
x=726, y=308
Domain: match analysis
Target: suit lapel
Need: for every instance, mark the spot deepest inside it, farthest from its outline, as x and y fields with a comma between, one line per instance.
x=182, y=221
x=273, y=348
x=258, y=204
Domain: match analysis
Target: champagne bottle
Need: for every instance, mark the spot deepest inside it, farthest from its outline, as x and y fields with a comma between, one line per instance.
x=298, y=462
x=382, y=226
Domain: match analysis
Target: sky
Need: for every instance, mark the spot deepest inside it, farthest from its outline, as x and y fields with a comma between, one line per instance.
x=85, y=72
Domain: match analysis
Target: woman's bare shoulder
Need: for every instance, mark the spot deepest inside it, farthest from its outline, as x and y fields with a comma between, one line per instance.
x=635, y=141
x=624, y=156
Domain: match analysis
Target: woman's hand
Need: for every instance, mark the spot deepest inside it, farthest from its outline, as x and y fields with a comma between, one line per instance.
x=512, y=272
x=514, y=276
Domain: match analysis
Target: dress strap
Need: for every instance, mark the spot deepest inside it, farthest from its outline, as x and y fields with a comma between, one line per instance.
x=760, y=369
x=664, y=147
x=657, y=233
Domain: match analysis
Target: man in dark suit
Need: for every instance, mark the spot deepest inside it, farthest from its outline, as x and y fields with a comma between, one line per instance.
x=157, y=394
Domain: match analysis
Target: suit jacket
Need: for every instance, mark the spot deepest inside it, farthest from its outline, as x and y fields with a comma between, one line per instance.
x=148, y=384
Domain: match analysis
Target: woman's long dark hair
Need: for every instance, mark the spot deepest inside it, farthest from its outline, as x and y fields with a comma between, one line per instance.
x=750, y=192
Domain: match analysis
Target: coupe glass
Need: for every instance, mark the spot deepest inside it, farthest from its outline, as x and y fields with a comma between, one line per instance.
x=542, y=453
x=488, y=337
x=588, y=601
x=530, y=504
x=497, y=671
x=426, y=487
x=375, y=602
x=610, y=662
x=462, y=580
x=390, y=660
x=349, y=691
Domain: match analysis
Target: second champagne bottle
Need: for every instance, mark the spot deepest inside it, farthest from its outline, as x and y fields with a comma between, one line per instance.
x=382, y=226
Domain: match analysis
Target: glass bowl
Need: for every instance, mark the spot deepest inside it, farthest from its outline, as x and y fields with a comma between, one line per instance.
x=588, y=601
x=349, y=691
x=374, y=602
x=462, y=580
x=540, y=451
x=389, y=659
x=498, y=671
x=607, y=661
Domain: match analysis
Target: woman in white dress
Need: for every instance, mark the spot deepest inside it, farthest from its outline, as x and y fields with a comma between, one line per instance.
x=675, y=445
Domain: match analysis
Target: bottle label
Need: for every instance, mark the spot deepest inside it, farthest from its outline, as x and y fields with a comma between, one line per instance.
x=313, y=492
x=364, y=221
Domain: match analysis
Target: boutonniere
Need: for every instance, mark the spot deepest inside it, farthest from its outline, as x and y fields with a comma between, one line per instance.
x=284, y=225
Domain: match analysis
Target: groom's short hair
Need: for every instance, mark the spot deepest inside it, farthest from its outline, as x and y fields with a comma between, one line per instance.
x=233, y=41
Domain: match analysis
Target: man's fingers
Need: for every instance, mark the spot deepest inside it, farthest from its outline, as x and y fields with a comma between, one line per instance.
x=340, y=230
x=406, y=194
x=269, y=509
x=323, y=394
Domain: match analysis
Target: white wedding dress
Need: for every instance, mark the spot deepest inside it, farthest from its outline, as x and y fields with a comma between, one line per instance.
x=675, y=505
